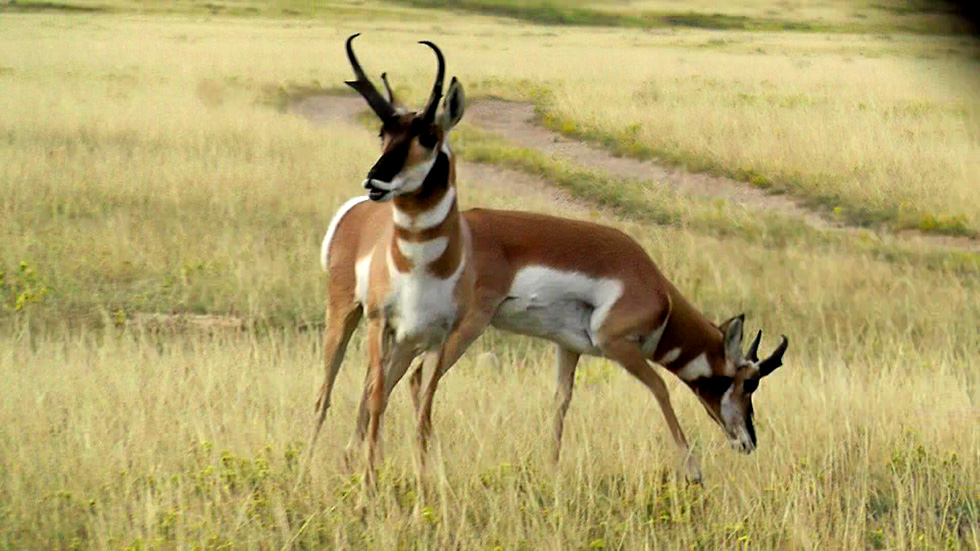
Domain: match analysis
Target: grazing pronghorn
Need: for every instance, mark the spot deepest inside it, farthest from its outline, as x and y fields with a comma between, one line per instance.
x=409, y=260
x=589, y=288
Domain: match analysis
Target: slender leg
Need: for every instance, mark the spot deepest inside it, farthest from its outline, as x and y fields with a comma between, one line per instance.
x=631, y=357
x=396, y=371
x=360, y=422
x=425, y=412
x=337, y=337
x=415, y=381
x=379, y=346
x=459, y=340
x=565, y=362
x=397, y=358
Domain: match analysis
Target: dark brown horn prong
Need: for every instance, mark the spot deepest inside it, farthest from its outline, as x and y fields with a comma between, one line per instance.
x=381, y=107
x=388, y=89
x=430, y=108
x=753, y=353
x=775, y=360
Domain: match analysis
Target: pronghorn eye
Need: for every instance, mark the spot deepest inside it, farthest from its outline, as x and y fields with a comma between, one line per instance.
x=750, y=385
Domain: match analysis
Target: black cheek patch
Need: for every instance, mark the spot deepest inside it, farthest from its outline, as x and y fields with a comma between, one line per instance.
x=714, y=386
x=391, y=162
x=437, y=180
x=428, y=141
x=750, y=425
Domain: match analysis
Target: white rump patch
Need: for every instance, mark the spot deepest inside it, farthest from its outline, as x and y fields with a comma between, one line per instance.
x=670, y=356
x=325, y=247
x=424, y=252
x=695, y=369
x=429, y=218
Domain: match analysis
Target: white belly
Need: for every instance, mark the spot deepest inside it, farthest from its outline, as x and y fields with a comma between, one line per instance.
x=565, y=307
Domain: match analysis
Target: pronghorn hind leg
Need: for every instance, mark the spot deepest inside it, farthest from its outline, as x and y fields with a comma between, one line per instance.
x=415, y=381
x=629, y=355
x=336, y=339
x=360, y=422
x=565, y=362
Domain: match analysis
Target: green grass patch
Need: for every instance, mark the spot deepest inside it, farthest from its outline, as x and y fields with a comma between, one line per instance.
x=286, y=9
x=627, y=143
x=546, y=12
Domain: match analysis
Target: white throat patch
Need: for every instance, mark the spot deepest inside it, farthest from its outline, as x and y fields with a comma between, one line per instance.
x=429, y=218
x=695, y=369
x=425, y=252
x=670, y=356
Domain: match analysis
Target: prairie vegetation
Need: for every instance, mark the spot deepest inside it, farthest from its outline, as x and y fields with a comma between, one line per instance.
x=145, y=167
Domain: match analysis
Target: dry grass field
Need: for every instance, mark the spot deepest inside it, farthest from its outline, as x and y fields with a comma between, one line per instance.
x=146, y=165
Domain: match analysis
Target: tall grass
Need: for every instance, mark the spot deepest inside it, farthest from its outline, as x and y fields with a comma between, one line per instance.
x=142, y=170
x=130, y=440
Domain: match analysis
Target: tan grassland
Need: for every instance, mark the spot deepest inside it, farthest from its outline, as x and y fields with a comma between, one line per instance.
x=145, y=167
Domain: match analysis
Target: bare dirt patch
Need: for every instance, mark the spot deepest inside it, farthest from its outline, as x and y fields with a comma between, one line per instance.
x=518, y=123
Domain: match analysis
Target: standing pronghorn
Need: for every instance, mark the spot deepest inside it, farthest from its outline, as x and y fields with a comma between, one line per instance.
x=410, y=261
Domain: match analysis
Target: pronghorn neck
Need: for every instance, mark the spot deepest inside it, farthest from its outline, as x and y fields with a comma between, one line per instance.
x=427, y=227
x=691, y=346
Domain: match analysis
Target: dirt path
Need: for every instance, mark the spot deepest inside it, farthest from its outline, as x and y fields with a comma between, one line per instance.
x=517, y=123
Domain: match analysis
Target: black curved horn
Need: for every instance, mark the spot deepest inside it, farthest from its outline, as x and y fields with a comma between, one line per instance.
x=381, y=107
x=775, y=359
x=430, y=107
x=753, y=353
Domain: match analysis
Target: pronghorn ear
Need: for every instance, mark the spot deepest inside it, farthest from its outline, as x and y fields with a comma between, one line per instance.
x=733, y=337
x=452, y=106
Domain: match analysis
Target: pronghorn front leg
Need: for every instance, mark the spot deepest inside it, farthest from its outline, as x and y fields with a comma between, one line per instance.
x=380, y=337
x=425, y=411
x=441, y=361
x=629, y=355
x=396, y=359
